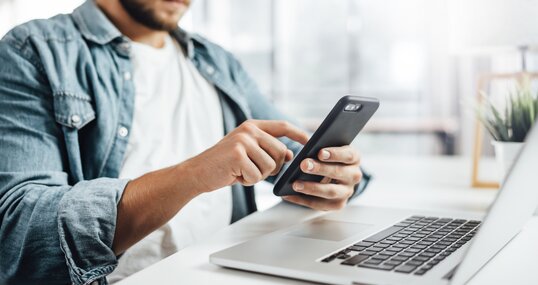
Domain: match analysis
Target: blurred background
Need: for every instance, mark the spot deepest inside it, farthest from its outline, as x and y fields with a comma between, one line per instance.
x=305, y=54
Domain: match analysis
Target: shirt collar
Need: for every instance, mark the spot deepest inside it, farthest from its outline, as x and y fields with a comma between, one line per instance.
x=185, y=41
x=93, y=23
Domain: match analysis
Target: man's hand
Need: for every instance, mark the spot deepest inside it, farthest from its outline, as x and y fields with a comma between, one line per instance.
x=340, y=168
x=247, y=155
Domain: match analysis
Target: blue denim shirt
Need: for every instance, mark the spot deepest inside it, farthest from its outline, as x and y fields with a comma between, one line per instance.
x=66, y=101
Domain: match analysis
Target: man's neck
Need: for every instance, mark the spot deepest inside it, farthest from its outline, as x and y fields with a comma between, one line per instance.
x=130, y=27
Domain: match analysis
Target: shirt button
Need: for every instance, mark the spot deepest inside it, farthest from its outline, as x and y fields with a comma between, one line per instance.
x=123, y=132
x=210, y=70
x=127, y=76
x=75, y=119
x=125, y=46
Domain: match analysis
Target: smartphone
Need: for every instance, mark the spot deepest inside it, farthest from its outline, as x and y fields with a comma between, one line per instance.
x=339, y=128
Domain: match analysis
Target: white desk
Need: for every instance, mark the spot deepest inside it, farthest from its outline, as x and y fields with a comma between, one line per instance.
x=426, y=183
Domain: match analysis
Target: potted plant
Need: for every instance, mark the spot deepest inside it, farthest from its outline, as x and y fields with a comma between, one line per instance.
x=509, y=126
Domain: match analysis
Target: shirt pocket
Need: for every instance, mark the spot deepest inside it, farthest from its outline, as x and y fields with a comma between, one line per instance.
x=73, y=110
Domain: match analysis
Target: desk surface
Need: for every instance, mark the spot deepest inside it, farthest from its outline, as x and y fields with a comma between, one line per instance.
x=424, y=182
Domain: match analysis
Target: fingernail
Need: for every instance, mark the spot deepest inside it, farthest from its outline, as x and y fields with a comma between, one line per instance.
x=298, y=186
x=325, y=154
x=309, y=165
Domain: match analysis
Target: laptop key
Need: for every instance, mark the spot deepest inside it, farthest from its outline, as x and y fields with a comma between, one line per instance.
x=422, y=257
x=355, y=259
x=400, y=258
x=420, y=272
x=406, y=254
x=405, y=269
x=373, y=261
x=427, y=254
x=364, y=243
x=433, y=250
x=417, y=217
x=394, y=249
x=389, y=241
x=376, y=249
x=388, y=253
x=393, y=262
x=393, y=238
x=383, y=234
x=412, y=250
x=414, y=263
x=427, y=266
x=380, y=266
x=329, y=259
x=356, y=248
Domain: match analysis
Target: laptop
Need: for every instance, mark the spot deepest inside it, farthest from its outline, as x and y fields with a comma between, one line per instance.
x=369, y=245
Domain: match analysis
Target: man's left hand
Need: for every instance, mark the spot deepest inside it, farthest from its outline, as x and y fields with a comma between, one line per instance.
x=340, y=168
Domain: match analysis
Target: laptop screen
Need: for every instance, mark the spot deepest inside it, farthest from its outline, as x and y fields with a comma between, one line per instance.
x=513, y=207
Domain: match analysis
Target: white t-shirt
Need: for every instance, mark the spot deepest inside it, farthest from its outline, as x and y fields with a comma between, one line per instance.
x=177, y=115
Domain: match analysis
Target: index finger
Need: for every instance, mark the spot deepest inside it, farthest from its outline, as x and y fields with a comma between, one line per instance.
x=282, y=129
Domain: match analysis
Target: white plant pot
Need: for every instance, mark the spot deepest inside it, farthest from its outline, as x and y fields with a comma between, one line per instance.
x=505, y=155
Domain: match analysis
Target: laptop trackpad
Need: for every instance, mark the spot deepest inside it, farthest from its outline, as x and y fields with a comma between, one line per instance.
x=328, y=230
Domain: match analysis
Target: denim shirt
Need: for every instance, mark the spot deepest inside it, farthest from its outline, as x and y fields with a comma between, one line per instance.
x=66, y=107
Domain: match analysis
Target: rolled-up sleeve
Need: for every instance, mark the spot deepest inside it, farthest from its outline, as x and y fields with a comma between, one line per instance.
x=86, y=226
x=52, y=231
x=55, y=233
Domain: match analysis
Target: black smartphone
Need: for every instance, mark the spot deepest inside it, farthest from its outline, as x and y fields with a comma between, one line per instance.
x=340, y=127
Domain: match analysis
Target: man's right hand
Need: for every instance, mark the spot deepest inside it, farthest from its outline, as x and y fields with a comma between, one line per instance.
x=247, y=155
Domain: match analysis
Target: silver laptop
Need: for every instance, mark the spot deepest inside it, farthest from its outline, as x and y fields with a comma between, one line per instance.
x=367, y=245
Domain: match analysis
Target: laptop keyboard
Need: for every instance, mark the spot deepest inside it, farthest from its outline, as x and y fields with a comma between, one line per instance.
x=412, y=246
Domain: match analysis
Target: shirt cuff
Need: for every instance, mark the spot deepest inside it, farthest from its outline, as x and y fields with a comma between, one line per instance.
x=86, y=224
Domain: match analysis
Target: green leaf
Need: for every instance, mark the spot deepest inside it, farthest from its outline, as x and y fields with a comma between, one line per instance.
x=514, y=122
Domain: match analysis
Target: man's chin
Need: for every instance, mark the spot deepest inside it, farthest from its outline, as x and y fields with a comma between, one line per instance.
x=171, y=19
x=162, y=16
x=168, y=23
